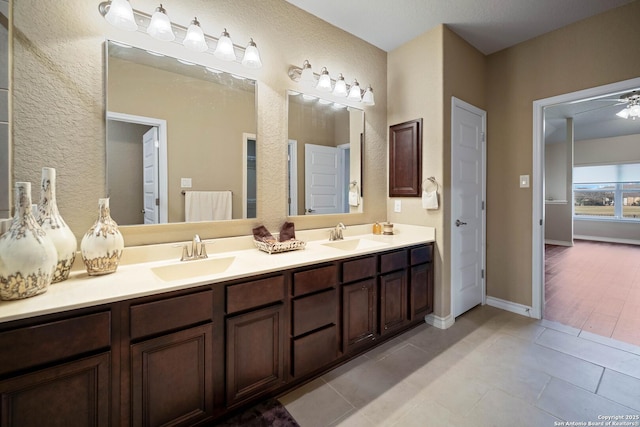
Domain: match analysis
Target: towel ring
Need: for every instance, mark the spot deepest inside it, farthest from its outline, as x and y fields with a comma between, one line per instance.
x=433, y=181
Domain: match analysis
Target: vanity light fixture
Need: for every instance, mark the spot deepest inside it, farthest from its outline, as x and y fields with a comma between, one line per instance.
x=120, y=14
x=354, y=91
x=224, y=48
x=251, y=57
x=340, y=88
x=324, y=82
x=194, y=40
x=160, y=25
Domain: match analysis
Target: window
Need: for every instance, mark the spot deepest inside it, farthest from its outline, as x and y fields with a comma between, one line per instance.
x=607, y=191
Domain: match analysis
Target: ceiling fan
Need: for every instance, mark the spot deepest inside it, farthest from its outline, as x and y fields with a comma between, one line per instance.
x=632, y=99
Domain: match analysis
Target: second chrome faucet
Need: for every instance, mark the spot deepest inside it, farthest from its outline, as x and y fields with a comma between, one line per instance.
x=198, y=250
x=336, y=233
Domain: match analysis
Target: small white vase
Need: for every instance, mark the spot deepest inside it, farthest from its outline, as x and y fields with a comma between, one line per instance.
x=102, y=245
x=52, y=223
x=27, y=255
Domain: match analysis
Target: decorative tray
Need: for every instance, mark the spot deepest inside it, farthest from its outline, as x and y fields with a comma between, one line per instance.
x=278, y=247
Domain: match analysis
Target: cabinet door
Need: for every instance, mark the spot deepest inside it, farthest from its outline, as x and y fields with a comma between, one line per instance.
x=359, y=313
x=421, y=291
x=393, y=301
x=171, y=378
x=255, y=353
x=67, y=395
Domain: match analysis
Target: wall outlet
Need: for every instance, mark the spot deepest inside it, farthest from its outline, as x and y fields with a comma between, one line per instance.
x=397, y=206
x=185, y=182
x=524, y=181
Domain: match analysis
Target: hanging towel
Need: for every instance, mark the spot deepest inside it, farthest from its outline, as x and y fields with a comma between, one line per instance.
x=430, y=199
x=354, y=198
x=207, y=205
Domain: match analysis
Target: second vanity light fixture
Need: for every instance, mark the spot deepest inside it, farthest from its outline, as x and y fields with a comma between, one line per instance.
x=120, y=14
x=324, y=83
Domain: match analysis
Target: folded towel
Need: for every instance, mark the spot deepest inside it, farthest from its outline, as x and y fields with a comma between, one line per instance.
x=261, y=234
x=207, y=205
x=430, y=199
x=287, y=232
x=354, y=198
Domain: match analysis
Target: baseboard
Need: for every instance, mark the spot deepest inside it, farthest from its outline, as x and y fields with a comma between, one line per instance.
x=439, y=322
x=608, y=239
x=513, y=307
x=557, y=242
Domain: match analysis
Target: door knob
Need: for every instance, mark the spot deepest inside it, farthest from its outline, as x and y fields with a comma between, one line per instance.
x=459, y=223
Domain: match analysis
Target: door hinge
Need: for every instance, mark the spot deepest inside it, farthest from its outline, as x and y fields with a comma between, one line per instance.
x=482, y=273
x=482, y=205
x=540, y=222
x=482, y=136
x=157, y=201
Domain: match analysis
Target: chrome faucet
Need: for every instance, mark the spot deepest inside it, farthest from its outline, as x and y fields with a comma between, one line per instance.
x=336, y=233
x=198, y=250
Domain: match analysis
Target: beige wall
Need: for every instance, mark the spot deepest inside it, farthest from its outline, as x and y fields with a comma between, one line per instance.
x=423, y=75
x=600, y=151
x=583, y=55
x=59, y=100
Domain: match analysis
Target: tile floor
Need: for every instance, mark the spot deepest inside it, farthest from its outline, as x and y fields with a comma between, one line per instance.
x=491, y=368
x=595, y=287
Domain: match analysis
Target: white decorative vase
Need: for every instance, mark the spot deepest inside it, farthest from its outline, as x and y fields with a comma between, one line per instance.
x=102, y=245
x=27, y=255
x=52, y=223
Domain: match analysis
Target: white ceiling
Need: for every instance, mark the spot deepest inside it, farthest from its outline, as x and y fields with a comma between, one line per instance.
x=489, y=25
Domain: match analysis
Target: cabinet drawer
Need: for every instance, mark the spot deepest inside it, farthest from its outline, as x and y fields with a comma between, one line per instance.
x=393, y=261
x=170, y=314
x=421, y=255
x=305, y=282
x=254, y=294
x=358, y=269
x=314, y=351
x=49, y=342
x=314, y=311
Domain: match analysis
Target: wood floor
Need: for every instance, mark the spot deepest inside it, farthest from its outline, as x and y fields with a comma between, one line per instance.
x=595, y=287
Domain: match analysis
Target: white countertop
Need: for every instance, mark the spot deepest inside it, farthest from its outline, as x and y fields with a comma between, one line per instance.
x=135, y=276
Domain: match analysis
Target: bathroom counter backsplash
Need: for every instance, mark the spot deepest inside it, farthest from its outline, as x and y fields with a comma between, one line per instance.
x=135, y=276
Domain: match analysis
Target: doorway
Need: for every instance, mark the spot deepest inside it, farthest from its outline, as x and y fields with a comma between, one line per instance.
x=540, y=214
x=468, y=190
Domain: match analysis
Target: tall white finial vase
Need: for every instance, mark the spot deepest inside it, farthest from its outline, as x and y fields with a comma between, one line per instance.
x=27, y=255
x=52, y=223
x=102, y=245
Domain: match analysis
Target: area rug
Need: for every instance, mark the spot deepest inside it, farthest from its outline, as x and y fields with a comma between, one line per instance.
x=269, y=413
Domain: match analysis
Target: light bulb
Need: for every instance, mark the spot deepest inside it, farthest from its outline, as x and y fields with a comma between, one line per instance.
x=324, y=82
x=251, y=57
x=120, y=15
x=354, y=91
x=224, y=48
x=160, y=26
x=194, y=40
x=367, y=98
x=306, y=77
x=340, y=89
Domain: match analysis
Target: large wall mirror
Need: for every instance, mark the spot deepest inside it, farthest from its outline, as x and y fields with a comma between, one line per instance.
x=325, y=156
x=181, y=140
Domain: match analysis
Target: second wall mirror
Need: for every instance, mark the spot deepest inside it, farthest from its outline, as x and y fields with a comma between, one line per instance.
x=325, y=157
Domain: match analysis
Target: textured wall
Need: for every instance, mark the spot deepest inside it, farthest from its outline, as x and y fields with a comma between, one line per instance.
x=59, y=100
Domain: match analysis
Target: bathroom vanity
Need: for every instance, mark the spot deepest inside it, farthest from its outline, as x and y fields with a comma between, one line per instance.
x=158, y=343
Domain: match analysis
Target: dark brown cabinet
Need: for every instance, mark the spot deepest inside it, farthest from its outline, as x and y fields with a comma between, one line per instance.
x=421, y=279
x=359, y=314
x=255, y=353
x=66, y=395
x=393, y=301
x=171, y=378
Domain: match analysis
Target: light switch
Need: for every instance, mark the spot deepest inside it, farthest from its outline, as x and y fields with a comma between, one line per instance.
x=185, y=182
x=524, y=181
x=397, y=206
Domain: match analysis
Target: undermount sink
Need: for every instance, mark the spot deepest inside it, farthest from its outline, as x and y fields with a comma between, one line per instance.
x=190, y=269
x=354, y=244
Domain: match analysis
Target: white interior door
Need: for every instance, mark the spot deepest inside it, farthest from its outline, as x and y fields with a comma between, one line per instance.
x=468, y=125
x=322, y=179
x=150, y=176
